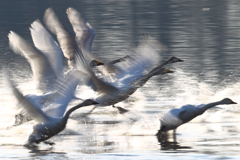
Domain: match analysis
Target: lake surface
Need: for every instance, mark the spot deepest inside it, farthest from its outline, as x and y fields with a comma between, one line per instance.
x=205, y=34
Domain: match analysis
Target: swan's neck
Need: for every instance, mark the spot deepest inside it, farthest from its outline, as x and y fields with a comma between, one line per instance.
x=207, y=106
x=67, y=114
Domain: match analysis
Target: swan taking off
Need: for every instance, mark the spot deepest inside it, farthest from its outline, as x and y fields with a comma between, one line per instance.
x=47, y=125
x=178, y=116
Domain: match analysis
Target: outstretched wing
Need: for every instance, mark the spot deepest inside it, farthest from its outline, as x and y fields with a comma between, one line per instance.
x=48, y=46
x=32, y=109
x=84, y=34
x=65, y=39
x=58, y=101
x=43, y=73
x=84, y=38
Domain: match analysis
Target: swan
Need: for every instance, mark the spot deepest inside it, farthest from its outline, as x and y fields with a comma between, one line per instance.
x=135, y=70
x=53, y=103
x=48, y=125
x=46, y=67
x=174, y=118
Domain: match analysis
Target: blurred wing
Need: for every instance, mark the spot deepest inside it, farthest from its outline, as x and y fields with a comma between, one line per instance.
x=48, y=46
x=44, y=75
x=93, y=81
x=84, y=34
x=127, y=57
x=84, y=37
x=59, y=101
x=65, y=40
x=32, y=109
x=144, y=58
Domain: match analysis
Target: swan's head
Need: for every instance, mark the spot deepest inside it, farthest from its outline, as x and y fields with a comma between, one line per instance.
x=90, y=102
x=174, y=60
x=168, y=71
x=227, y=101
x=94, y=63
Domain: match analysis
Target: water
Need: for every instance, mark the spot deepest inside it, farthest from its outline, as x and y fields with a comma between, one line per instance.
x=205, y=34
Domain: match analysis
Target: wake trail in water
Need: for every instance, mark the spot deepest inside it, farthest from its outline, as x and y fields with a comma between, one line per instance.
x=146, y=106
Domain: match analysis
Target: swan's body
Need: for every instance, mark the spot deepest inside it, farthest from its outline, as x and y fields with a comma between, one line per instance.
x=48, y=125
x=178, y=116
x=51, y=126
x=126, y=87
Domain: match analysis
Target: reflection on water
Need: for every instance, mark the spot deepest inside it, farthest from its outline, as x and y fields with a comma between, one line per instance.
x=169, y=142
x=205, y=34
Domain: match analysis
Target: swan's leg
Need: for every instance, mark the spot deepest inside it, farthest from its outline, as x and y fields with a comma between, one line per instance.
x=20, y=119
x=159, y=133
x=174, y=135
x=120, y=109
x=49, y=143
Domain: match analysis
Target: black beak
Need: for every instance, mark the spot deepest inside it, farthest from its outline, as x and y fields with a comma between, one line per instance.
x=180, y=60
x=234, y=102
x=100, y=64
x=95, y=102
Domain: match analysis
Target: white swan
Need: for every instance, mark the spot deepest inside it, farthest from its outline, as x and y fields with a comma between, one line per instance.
x=134, y=71
x=49, y=123
x=47, y=68
x=178, y=116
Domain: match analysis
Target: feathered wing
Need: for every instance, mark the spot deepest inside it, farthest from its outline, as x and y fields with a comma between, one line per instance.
x=84, y=34
x=142, y=60
x=93, y=81
x=43, y=73
x=64, y=38
x=48, y=46
x=58, y=102
x=32, y=109
x=84, y=38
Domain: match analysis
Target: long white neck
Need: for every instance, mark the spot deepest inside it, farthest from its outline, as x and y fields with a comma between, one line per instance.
x=207, y=106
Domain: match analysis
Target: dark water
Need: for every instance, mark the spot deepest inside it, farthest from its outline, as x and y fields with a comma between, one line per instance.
x=205, y=34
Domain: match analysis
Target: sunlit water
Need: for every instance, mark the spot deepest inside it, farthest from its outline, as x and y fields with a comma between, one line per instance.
x=205, y=34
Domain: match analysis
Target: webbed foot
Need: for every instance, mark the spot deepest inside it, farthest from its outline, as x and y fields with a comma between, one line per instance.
x=121, y=110
x=49, y=143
